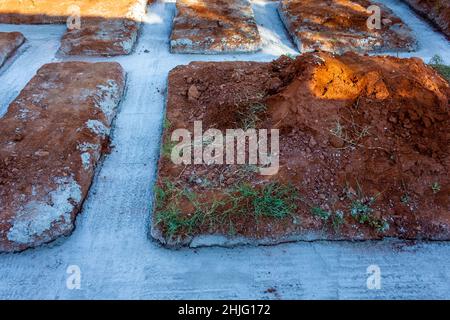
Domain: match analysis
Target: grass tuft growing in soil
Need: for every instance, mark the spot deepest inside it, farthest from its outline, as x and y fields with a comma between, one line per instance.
x=272, y=200
x=252, y=115
x=438, y=64
x=183, y=212
x=363, y=212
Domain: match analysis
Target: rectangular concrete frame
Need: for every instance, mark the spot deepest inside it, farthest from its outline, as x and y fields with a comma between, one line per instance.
x=214, y=27
x=353, y=40
x=54, y=135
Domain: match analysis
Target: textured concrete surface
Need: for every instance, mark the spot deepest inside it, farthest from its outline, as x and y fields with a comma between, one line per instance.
x=111, y=246
x=9, y=43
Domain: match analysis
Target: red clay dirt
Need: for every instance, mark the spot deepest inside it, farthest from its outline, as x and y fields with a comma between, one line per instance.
x=341, y=25
x=214, y=26
x=436, y=11
x=105, y=29
x=51, y=140
x=364, y=151
x=9, y=43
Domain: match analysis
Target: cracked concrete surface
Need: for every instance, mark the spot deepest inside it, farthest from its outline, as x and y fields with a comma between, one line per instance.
x=111, y=245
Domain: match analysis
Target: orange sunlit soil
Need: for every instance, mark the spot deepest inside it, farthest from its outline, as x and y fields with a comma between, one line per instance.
x=437, y=11
x=57, y=11
x=106, y=28
x=364, y=151
x=341, y=25
x=214, y=26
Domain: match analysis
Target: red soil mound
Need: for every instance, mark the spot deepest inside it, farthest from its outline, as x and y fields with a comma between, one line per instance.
x=364, y=141
x=388, y=118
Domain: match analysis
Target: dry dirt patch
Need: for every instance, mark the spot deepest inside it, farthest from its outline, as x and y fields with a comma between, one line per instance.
x=51, y=140
x=214, y=26
x=9, y=43
x=364, y=151
x=341, y=25
x=437, y=11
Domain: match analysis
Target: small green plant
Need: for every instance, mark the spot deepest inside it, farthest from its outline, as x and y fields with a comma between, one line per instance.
x=201, y=181
x=246, y=171
x=167, y=148
x=251, y=116
x=405, y=199
x=337, y=217
x=361, y=209
x=436, y=59
x=167, y=124
x=291, y=56
x=160, y=197
x=170, y=217
x=320, y=213
x=353, y=135
x=337, y=220
x=168, y=210
x=163, y=192
x=167, y=144
x=438, y=64
x=379, y=224
x=436, y=187
x=276, y=201
x=272, y=200
x=231, y=229
x=338, y=130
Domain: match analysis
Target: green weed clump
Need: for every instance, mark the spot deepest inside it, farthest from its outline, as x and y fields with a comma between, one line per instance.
x=272, y=200
x=438, y=64
x=360, y=209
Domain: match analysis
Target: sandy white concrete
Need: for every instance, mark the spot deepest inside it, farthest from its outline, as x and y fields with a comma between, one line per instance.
x=431, y=42
x=111, y=245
